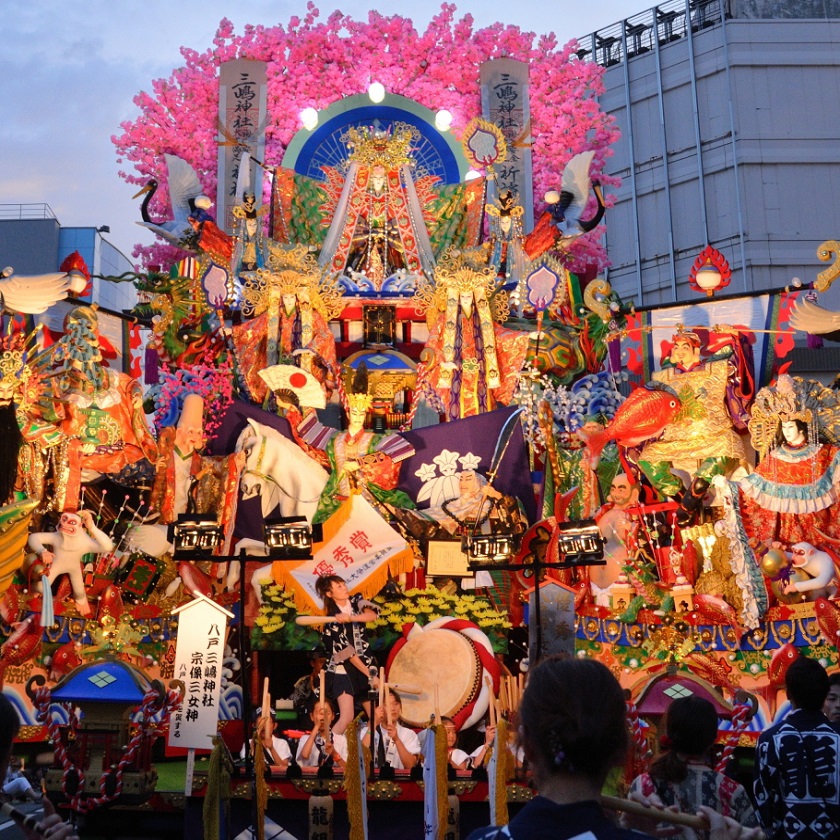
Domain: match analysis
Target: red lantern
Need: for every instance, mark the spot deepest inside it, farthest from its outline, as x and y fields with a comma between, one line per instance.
x=710, y=271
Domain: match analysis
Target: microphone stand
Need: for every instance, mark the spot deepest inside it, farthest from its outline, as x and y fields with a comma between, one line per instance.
x=373, y=697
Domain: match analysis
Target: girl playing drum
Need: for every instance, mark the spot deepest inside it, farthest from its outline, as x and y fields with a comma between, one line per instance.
x=347, y=647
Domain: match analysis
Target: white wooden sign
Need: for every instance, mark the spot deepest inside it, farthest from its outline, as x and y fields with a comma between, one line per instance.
x=199, y=650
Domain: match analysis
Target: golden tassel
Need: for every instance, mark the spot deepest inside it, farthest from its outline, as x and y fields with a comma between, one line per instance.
x=502, y=772
x=353, y=784
x=260, y=784
x=441, y=754
x=218, y=788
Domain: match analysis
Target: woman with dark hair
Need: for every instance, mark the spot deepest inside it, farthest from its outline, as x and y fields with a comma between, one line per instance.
x=51, y=825
x=347, y=647
x=573, y=729
x=682, y=778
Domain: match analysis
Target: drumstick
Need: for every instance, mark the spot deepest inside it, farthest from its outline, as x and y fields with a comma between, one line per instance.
x=503, y=698
x=266, y=708
x=676, y=817
x=405, y=689
x=28, y=821
x=388, y=716
x=322, y=695
x=312, y=620
x=488, y=682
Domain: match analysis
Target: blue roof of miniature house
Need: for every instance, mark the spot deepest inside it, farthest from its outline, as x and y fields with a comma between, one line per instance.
x=103, y=681
x=383, y=359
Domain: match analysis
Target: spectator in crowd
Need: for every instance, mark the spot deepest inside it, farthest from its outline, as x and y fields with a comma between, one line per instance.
x=831, y=708
x=51, y=825
x=573, y=729
x=796, y=774
x=16, y=785
x=682, y=778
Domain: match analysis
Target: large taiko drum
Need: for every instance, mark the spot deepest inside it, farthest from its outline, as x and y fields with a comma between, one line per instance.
x=452, y=654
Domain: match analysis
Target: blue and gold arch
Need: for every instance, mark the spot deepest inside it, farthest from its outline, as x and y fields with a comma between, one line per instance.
x=435, y=153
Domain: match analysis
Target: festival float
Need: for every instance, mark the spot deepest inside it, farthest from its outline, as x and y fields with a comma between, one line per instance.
x=384, y=349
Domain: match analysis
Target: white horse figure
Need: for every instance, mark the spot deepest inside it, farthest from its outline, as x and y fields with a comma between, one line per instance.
x=280, y=472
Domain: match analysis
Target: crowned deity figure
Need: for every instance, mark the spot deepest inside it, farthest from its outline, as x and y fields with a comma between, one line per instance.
x=472, y=362
x=703, y=440
x=792, y=497
x=290, y=305
x=377, y=212
x=249, y=252
x=507, y=251
x=359, y=461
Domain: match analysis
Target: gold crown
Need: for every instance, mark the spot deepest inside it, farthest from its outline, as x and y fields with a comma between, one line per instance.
x=291, y=258
x=292, y=268
x=374, y=147
x=11, y=367
x=359, y=400
x=466, y=271
x=775, y=405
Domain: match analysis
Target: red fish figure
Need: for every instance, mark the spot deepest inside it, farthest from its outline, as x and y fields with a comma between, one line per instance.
x=828, y=619
x=713, y=670
x=194, y=579
x=10, y=605
x=22, y=644
x=64, y=660
x=781, y=660
x=642, y=416
x=718, y=612
x=110, y=603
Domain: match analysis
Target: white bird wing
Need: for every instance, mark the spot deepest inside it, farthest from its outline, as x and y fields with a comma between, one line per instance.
x=173, y=232
x=576, y=180
x=34, y=294
x=183, y=186
x=808, y=317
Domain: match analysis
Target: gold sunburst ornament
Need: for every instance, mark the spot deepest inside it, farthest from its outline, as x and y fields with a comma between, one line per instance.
x=375, y=147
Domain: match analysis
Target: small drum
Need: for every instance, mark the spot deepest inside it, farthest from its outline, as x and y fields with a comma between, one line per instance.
x=441, y=657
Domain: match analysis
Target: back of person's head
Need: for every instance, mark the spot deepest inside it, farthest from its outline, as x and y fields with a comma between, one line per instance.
x=573, y=717
x=807, y=684
x=691, y=725
x=9, y=727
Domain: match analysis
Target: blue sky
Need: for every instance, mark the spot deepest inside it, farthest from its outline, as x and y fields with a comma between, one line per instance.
x=71, y=69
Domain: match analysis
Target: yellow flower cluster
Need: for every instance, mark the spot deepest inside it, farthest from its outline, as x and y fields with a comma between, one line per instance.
x=419, y=606
x=276, y=608
x=426, y=605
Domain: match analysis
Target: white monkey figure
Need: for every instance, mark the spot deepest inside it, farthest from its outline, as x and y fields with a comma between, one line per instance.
x=62, y=551
x=819, y=566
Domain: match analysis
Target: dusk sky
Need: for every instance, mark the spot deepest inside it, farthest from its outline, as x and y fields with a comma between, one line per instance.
x=71, y=70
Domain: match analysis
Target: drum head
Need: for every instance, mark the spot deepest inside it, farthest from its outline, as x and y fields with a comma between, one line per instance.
x=441, y=657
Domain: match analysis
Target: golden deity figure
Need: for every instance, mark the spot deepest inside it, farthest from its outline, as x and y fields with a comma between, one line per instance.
x=473, y=363
x=377, y=212
x=290, y=304
x=704, y=439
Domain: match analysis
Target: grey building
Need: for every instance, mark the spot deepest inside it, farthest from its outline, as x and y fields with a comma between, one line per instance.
x=33, y=241
x=729, y=138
